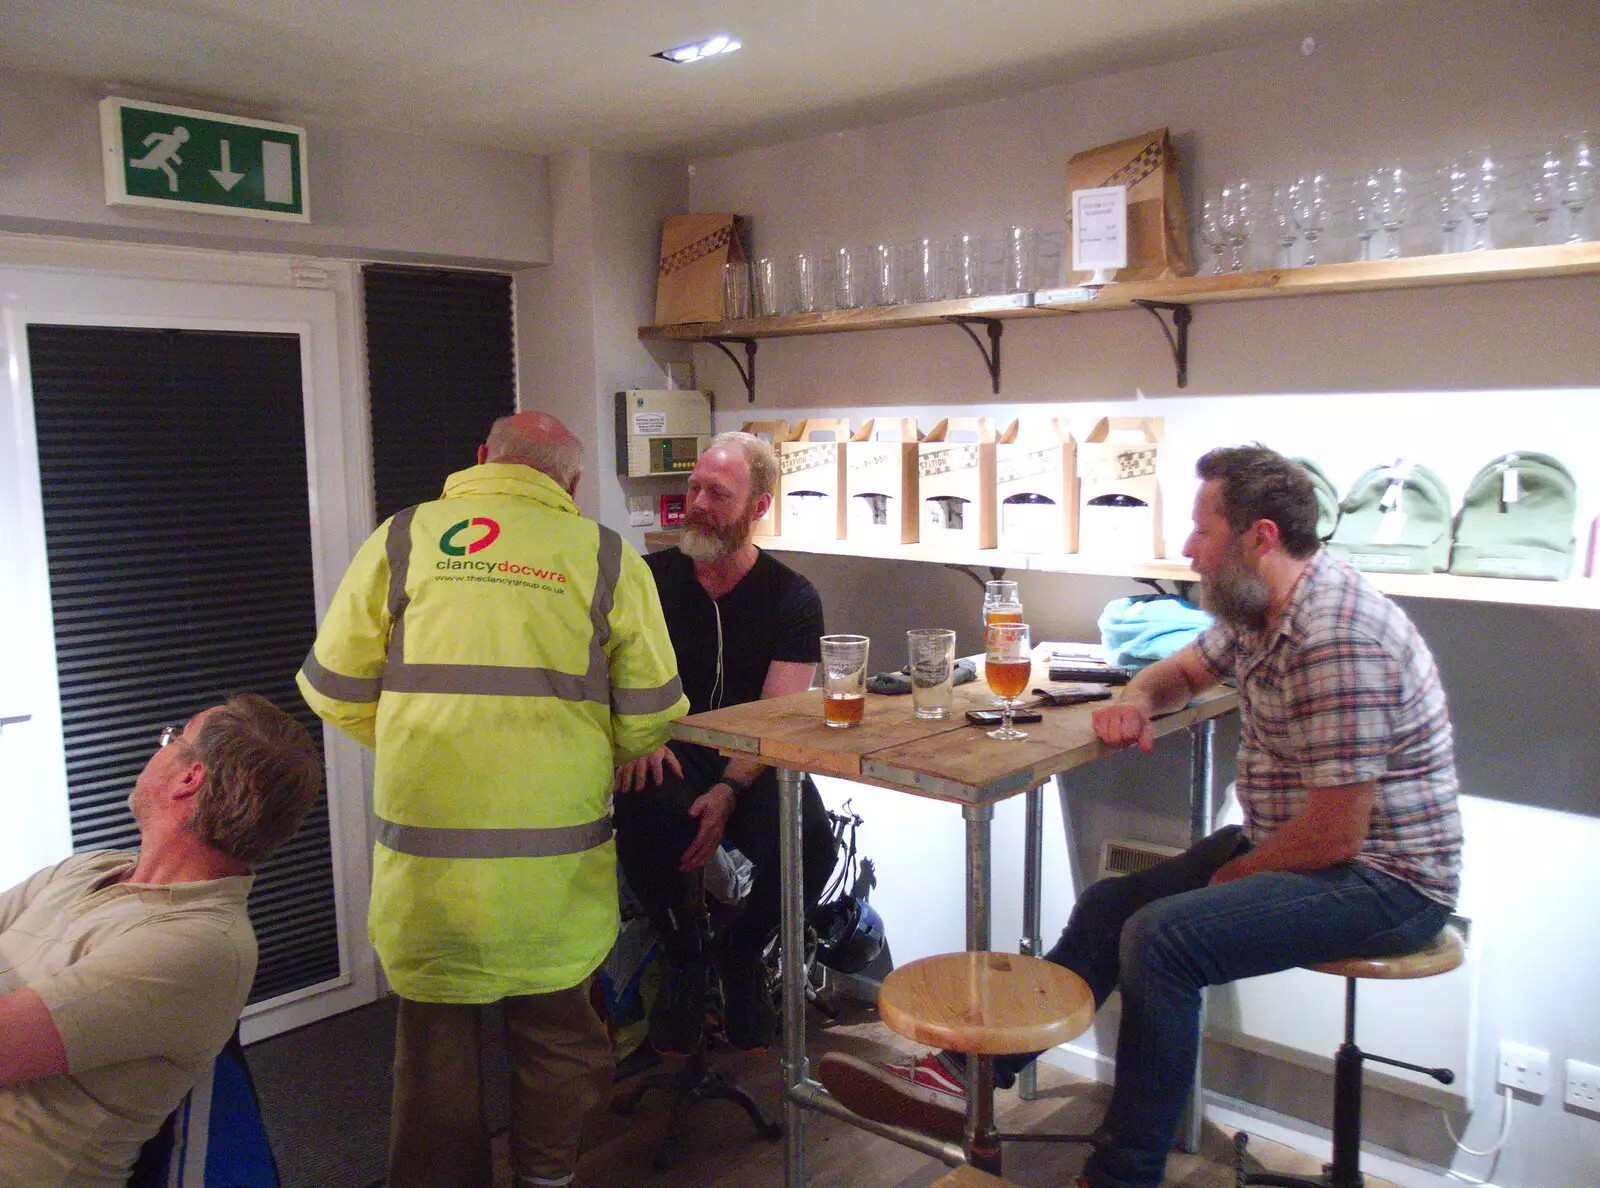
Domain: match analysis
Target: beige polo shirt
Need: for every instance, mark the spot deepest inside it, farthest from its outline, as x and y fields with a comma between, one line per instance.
x=145, y=984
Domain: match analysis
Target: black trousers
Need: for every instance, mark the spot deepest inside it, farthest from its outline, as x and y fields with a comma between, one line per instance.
x=654, y=828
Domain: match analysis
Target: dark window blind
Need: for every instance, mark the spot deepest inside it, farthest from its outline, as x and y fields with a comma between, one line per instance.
x=439, y=365
x=173, y=475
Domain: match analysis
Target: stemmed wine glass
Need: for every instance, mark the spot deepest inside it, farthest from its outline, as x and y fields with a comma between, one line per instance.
x=1311, y=212
x=1449, y=202
x=1480, y=189
x=1212, y=235
x=1237, y=213
x=1394, y=206
x=1579, y=178
x=1282, y=221
x=1007, y=665
x=1364, y=204
x=1541, y=197
x=1001, y=604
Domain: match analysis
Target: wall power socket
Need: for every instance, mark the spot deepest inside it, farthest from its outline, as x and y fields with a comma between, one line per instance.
x=1525, y=1068
x=1583, y=1086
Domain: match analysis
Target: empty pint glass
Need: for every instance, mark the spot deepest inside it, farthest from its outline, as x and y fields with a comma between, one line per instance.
x=933, y=661
x=844, y=679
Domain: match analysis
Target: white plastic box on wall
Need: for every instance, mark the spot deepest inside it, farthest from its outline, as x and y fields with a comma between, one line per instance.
x=774, y=433
x=955, y=483
x=1036, y=486
x=881, y=482
x=1119, y=494
x=811, y=479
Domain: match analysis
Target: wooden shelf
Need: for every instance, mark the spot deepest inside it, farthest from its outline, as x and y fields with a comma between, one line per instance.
x=1411, y=272
x=1578, y=593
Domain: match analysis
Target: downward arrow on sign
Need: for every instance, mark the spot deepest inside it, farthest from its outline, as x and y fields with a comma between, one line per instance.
x=226, y=177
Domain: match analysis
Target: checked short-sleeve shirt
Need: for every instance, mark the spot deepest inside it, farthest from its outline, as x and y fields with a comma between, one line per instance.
x=1341, y=690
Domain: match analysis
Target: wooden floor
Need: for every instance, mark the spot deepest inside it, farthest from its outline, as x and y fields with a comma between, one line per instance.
x=718, y=1148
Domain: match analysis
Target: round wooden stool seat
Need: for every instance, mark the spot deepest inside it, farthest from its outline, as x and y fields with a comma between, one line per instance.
x=988, y=1004
x=1439, y=956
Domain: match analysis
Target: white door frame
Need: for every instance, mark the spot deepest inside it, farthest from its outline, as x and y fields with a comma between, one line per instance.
x=62, y=282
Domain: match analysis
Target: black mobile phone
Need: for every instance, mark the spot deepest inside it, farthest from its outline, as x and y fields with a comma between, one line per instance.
x=992, y=717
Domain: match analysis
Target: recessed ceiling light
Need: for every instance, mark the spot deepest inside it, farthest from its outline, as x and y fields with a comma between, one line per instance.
x=709, y=48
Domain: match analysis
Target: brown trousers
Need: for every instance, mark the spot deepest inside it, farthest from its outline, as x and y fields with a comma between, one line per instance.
x=561, y=1067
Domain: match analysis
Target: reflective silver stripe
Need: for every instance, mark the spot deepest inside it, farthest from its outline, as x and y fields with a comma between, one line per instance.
x=608, y=569
x=397, y=547
x=338, y=686
x=492, y=680
x=647, y=701
x=425, y=841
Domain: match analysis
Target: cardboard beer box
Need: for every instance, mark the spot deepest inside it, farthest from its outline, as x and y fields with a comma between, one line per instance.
x=1158, y=229
x=1036, y=486
x=811, y=479
x=1119, y=513
x=881, y=482
x=691, y=278
x=955, y=483
x=774, y=433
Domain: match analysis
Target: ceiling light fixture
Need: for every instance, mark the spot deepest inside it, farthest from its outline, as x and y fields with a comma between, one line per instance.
x=711, y=47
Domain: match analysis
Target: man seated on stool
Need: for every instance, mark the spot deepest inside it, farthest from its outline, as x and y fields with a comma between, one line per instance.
x=1351, y=843
x=744, y=627
x=122, y=975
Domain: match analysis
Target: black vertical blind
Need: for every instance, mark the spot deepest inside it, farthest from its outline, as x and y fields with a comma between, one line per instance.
x=439, y=364
x=173, y=475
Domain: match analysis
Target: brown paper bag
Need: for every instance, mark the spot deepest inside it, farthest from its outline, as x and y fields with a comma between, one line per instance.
x=1158, y=229
x=690, y=280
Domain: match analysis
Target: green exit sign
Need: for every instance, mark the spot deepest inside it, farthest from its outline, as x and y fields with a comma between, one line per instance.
x=182, y=159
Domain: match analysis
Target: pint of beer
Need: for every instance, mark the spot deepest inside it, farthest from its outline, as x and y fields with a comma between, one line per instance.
x=844, y=676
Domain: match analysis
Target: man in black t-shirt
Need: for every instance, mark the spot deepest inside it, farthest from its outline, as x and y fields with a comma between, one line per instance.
x=744, y=626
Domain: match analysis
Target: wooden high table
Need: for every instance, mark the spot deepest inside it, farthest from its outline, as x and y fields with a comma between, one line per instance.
x=945, y=760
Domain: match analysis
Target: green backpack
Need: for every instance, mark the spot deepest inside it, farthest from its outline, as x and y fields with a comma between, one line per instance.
x=1517, y=519
x=1327, y=497
x=1396, y=519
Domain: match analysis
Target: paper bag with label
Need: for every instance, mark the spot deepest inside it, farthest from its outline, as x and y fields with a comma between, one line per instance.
x=1158, y=229
x=811, y=479
x=1119, y=513
x=691, y=278
x=774, y=433
x=955, y=483
x=881, y=482
x=1036, y=486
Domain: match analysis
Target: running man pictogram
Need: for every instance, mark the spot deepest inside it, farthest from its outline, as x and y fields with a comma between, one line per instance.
x=163, y=154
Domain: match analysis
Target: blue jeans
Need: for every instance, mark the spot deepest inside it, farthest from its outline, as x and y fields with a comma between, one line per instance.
x=1163, y=934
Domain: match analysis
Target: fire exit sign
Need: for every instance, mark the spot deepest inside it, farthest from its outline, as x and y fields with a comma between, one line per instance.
x=181, y=159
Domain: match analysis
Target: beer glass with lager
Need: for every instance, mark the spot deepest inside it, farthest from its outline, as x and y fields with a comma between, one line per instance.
x=844, y=676
x=1001, y=604
x=1007, y=664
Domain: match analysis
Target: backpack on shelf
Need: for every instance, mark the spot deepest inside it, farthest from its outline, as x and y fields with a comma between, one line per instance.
x=1327, y=497
x=1395, y=519
x=1517, y=520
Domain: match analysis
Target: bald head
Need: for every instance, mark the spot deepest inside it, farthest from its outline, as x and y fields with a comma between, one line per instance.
x=538, y=440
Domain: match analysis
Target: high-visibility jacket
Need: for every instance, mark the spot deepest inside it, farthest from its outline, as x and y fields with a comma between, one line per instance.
x=502, y=655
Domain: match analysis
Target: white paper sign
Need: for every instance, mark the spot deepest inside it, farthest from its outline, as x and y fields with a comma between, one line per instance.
x=1100, y=230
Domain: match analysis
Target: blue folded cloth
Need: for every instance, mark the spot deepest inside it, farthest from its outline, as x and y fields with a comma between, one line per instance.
x=895, y=683
x=1138, y=631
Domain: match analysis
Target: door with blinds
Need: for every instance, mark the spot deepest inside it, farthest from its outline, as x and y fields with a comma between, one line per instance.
x=172, y=468
x=190, y=463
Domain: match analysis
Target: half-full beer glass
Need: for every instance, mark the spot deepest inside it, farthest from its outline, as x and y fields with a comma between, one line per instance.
x=844, y=677
x=1007, y=664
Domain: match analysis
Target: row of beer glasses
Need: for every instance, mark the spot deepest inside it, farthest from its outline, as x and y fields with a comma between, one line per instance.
x=1007, y=665
x=1535, y=195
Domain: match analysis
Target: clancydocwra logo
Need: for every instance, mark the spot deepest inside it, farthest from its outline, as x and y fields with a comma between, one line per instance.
x=448, y=545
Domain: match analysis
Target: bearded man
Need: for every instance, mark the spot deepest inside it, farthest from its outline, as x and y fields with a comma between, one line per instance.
x=744, y=627
x=1351, y=841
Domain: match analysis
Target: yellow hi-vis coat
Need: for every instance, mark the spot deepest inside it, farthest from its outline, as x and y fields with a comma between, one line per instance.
x=502, y=655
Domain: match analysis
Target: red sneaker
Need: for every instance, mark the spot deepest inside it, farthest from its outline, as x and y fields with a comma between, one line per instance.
x=914, y=1091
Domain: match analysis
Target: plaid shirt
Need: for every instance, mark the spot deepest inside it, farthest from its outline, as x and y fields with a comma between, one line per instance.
x=1341, y=690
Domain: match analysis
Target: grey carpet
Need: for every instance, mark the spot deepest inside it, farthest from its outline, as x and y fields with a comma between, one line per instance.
x=324, y=1092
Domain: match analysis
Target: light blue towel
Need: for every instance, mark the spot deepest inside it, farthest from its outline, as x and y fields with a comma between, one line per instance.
x=1139, y=631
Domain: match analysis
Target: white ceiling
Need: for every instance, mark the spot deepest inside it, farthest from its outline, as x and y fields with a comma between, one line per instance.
x=542, y=75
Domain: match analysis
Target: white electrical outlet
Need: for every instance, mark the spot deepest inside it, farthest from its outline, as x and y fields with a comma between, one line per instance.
x=1525, y=1068
x=1583, y=1086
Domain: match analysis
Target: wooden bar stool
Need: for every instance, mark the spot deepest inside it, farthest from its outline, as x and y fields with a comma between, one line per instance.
x=971, y=1177
x=986, y=1005
x=1442, y=955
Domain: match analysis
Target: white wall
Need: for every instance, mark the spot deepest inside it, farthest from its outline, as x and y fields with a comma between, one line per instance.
x=1449, y=376
x=374, y=195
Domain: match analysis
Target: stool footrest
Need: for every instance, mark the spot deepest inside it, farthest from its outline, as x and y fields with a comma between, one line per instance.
x=1034, y=1136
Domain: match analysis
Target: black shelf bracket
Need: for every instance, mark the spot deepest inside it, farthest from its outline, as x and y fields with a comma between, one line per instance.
x=746, y=373
x=995, y=572
x=1182, y=315
x=991, y=356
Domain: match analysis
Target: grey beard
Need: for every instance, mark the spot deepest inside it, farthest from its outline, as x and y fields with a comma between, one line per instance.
x=1236, y=596
x=699, y=545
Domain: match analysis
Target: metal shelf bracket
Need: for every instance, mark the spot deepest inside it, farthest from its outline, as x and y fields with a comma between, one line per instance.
x=1182, y=315
x=991, y=356
x=746, y=373
x=995, y=572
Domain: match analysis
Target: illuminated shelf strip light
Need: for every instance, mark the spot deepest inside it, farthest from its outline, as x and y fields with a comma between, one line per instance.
x=709, y=48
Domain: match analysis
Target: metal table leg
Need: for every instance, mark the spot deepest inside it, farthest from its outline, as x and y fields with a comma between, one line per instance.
x=792, y=928
x=1201, y=777
x=1031, y=945
x=982, y=1140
